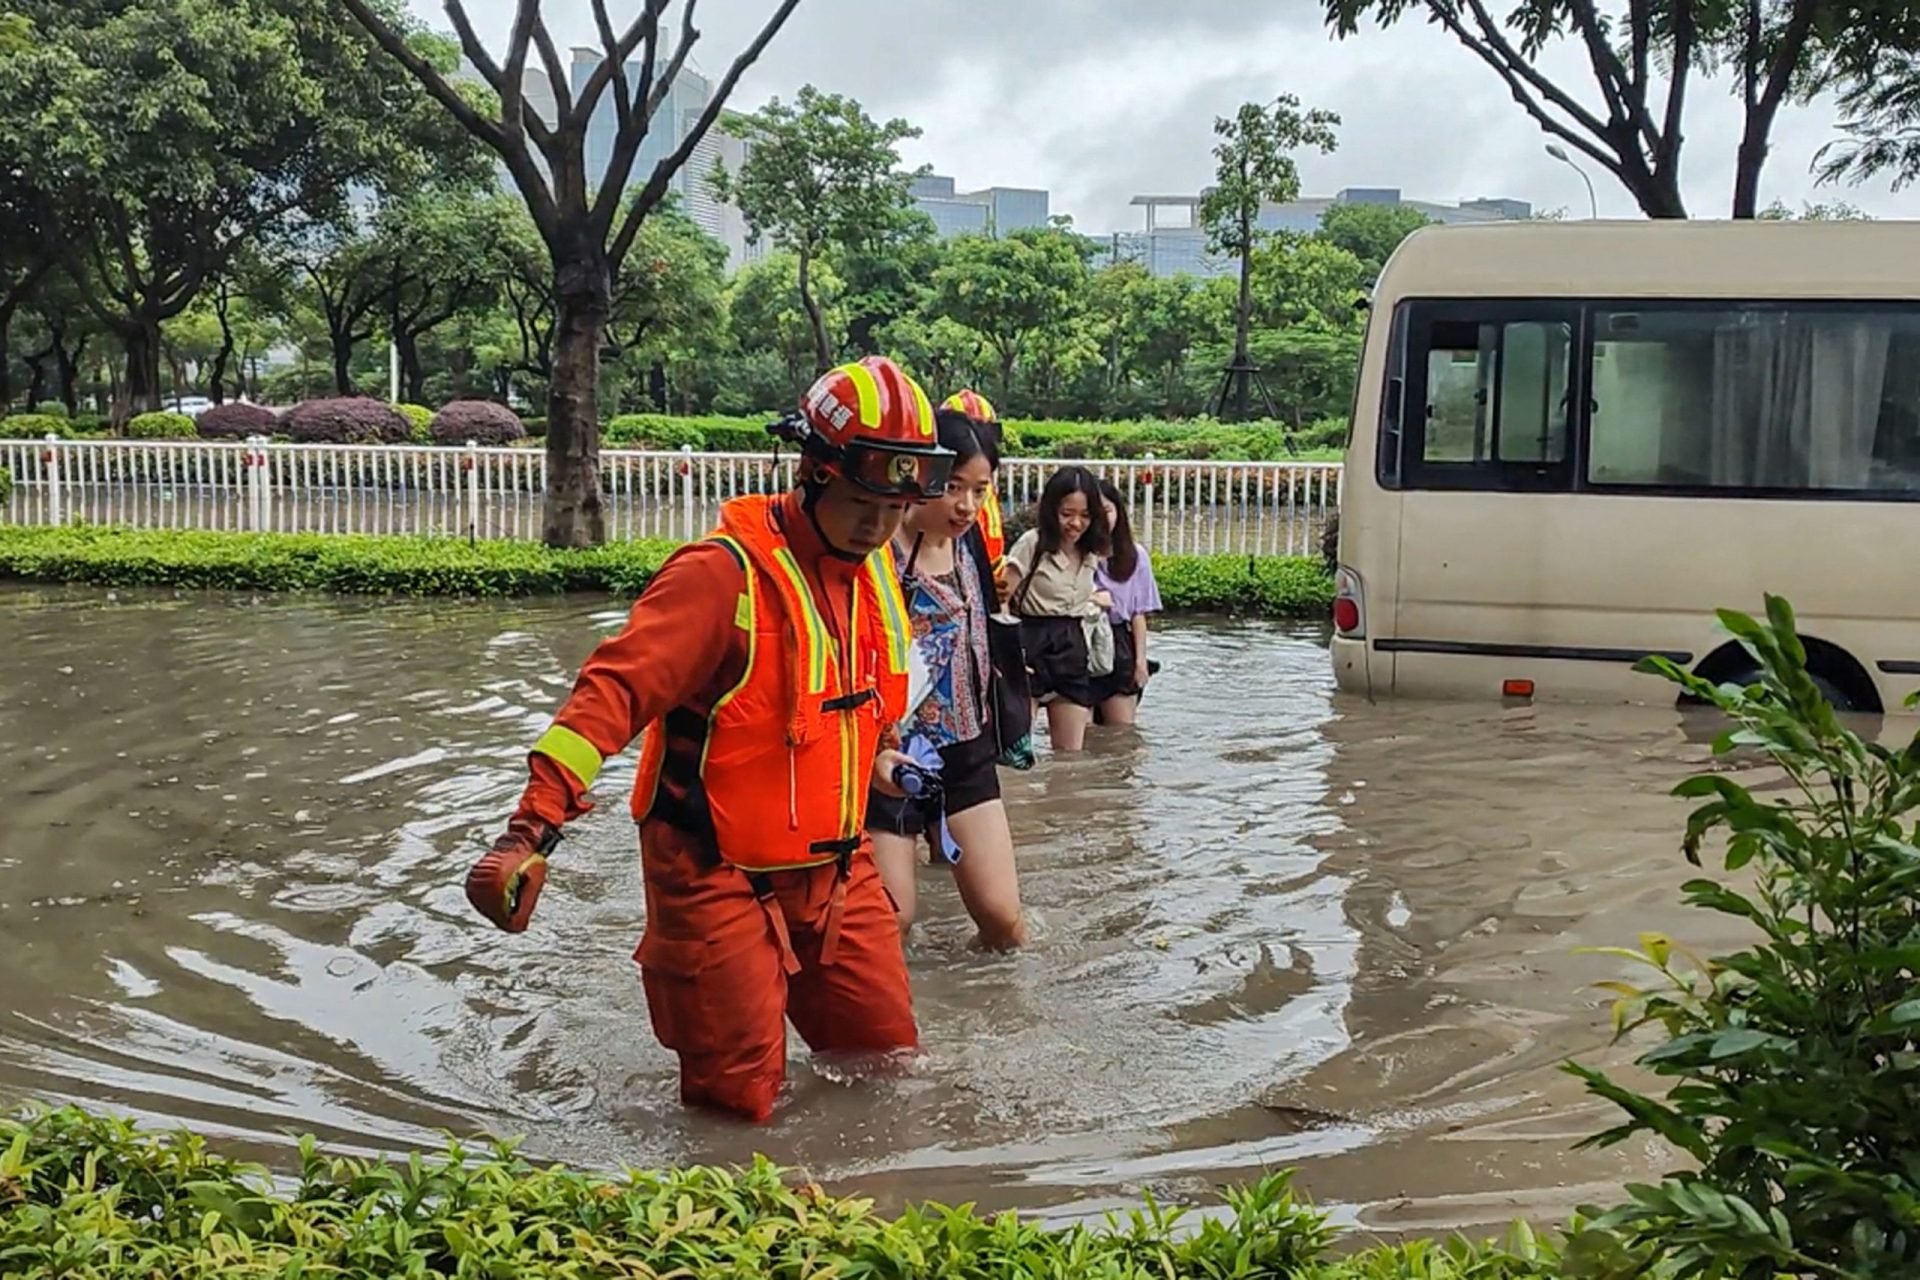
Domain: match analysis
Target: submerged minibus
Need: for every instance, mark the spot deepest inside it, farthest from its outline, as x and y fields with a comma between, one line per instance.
x=1572, y=442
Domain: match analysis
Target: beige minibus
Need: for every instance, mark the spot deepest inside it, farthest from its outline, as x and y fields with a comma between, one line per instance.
x=1572, y=442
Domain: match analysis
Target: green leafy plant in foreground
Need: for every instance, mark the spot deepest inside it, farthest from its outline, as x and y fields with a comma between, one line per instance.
x=85, y=1197
x=1795, y=1062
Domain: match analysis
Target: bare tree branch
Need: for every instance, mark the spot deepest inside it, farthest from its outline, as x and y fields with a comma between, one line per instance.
x=1514, y=70
x=513, y=89
x=1640, y=40
x=556, y=69
x=1495, y=49
x=617, y=58
x=1684, y=34
x=1628, y=102
x=635, y=126
x=511, y=148
x=622, y=91
x=663, y=172
x=650, y=55
x=431, y=80
x=688, y=38
x=1786, y=59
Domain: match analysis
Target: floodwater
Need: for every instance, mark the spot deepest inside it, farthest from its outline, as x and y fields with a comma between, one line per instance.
x=1276, y=927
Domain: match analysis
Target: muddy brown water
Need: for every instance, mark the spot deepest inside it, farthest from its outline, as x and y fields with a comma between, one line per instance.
x=1274, y=927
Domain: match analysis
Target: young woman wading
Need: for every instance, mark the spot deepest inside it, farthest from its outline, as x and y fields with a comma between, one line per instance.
x=947, y=581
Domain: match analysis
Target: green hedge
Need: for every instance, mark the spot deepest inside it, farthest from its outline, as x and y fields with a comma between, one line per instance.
x=161, y=425
x=83, y=1196
x=35, y=426
x=1324, y=440
x=1202, y=439
x=363, y=565
x=6, y=484
x=1270, y=586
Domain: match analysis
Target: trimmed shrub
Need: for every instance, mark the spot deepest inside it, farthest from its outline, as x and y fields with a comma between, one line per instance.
x=419, y=422
x=1289, y=587
x=51, y=409
x=6, y=484
x=481, y=421
x=345, y=420
x=95, y=1196
x=1269, y=586
x=163, y=425
x=536, y=427
x=35, y=426
x=236, y=420
x=655, y=431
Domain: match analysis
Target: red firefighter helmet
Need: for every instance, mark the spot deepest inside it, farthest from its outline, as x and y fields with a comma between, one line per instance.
x=973, y=405
x=873, y=424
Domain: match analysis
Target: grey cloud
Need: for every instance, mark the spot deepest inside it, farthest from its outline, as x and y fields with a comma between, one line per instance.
x=1015, y=91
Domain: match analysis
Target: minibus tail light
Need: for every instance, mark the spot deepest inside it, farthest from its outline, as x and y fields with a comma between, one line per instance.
x=1349, y=605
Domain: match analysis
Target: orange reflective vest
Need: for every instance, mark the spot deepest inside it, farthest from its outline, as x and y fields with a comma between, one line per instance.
x=807, y=712
x=992, y=530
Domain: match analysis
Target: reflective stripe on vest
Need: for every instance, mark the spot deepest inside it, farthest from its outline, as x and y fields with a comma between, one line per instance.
x=992, y=529
x=571, y=752
x=883, y=576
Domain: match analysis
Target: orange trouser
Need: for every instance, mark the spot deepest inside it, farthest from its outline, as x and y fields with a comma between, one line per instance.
x=725, y=966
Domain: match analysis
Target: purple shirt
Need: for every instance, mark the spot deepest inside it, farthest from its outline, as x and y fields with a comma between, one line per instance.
x=1138, y=594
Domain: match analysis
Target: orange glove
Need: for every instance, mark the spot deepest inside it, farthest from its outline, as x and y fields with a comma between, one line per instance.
x=504, y=885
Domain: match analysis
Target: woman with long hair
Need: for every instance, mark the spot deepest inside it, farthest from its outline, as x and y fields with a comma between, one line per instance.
x=1126, y=575
x=947, y=583
x=1050, y=588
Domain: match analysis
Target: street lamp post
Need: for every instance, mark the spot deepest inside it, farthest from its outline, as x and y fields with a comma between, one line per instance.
x=1559, y=153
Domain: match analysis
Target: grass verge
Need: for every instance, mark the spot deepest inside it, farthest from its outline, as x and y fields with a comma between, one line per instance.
x=1278, y=587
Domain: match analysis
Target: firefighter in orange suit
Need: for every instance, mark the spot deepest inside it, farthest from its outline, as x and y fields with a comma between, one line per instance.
x=976, y=406
x=767, y=668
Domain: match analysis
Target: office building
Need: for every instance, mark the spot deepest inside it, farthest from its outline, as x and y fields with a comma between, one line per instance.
x=1173, y=241
x=992, y=211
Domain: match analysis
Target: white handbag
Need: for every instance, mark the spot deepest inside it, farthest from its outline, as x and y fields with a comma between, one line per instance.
x=1099, y=644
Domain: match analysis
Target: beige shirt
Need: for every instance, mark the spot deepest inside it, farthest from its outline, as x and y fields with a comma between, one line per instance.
x=1059, y=586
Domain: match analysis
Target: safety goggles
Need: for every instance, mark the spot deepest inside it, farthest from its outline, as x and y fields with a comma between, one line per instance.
x=897, y=473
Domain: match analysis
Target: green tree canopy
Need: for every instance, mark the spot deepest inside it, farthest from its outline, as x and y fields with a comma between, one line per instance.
x=1013, y=289
x=819, y=172
x=160, y=137
x=1370, y=232
x=1256, y=169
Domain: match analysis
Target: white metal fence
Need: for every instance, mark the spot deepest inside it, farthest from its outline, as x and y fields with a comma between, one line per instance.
x=1178, y=506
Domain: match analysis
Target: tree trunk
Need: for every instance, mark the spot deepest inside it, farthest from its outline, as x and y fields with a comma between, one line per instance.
x=216, y=388
x=342, y=343
x=413, y=376
x=36, y=377
x=1007, y=355
x=1752, y=158
x=1243, y=322
x=70, y=372
x=657, y=386
x=460, y=368
x=6, y=361
x=822, y=355
x=573, y=515
x=141, y=338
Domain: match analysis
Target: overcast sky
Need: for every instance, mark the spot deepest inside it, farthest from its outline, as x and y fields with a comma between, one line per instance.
x=1100, y=100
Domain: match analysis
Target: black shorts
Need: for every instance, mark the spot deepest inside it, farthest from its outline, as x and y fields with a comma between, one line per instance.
x=967, y=776
x=1057, y=657
x=1118, y=683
